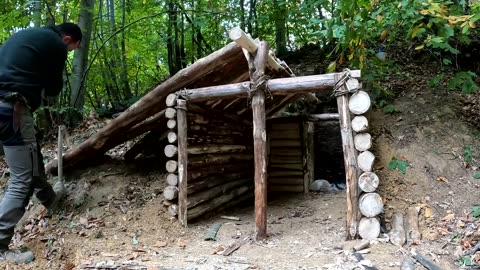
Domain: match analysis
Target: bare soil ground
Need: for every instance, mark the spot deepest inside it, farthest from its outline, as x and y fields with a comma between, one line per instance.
x=114, y=215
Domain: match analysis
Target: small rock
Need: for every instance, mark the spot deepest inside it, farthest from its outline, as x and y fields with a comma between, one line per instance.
x=321, y=185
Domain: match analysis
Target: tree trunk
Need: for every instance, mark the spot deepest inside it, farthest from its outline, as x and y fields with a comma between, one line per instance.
x=170, y=39
x=242, y=14
x=37, y=13
x=126, y=86
x=280, y=26
x=80, y=58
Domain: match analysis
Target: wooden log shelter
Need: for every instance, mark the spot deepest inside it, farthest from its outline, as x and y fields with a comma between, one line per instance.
x=225, y=144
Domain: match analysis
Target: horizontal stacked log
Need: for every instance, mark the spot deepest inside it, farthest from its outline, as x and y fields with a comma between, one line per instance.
x=286, y=163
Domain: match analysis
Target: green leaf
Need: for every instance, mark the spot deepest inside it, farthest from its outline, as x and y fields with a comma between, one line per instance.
x=402, y=166
x=476, y=211
x=465, y=261
x=446, y=61
x=467, y=154
x=392, y=165
x=476, y=175
x=389, y=109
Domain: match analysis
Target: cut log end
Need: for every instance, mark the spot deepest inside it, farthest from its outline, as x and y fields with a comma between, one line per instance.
x=369, y=228
x=172, y=179
x=172, y=137
x=172, y=124
x=359, y=103
x=368, y=181
x=170, y=150
x=365, y=161
x=171, y=100
x=371, y=204
x=170, y=193
x=170, y=113
x=362, y=141
x=171, y=166
x=360, y=123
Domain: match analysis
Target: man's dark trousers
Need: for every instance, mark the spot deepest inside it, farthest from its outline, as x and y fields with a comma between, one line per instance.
x=27, y=173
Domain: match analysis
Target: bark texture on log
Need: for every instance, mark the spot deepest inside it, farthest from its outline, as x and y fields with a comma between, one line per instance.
x=217, y=202
x=209, y=160
x=214, y=180
x=282, y=86
x=182, y=161
x=260, y=144
x=216, y=191
x=397, y=233
x=323, y=117
x=308, y=156
x=113, y=133
x=413, y=233
x=351, y=171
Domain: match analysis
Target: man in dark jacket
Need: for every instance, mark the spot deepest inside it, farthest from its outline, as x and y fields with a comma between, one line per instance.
x=31, y=70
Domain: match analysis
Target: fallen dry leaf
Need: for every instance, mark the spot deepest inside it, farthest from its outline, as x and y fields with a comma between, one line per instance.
x=69, y=266
x=160, y=244
x=182, y=243
x=443, y=231
x=442, y=179
x=449, y=217
x=219, y=250
x=428, y=212
x=466, y=244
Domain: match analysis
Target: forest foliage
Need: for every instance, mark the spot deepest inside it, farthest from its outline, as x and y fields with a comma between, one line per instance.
x=132, y=46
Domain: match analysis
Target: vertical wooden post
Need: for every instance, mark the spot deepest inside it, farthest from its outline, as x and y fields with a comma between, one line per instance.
x=260, y=143
x=308, y=154
x=182, y=160
x=350, y=159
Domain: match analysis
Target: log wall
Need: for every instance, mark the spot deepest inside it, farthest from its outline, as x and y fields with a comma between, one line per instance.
x=219, y=165
x=286, y=168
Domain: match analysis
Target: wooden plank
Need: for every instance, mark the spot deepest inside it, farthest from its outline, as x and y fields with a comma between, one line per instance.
x=289, y=152
x=277, y=173
x=286, y=160
x=285, y=143
x=182, y=160
x=283, y=188
x=297, y=166
x=295, y=181
x=284, y=134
